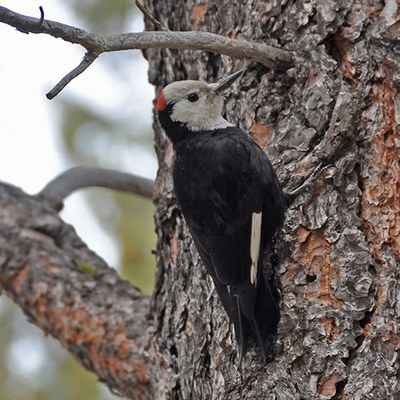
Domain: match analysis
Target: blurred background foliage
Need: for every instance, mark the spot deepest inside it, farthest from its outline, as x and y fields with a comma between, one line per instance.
x=113, y=136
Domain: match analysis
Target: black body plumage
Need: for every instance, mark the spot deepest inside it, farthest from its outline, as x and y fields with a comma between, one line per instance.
x=221, y=179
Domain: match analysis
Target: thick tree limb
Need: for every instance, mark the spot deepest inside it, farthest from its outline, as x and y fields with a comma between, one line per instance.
x=70, y=293
x=96, y=44
x=79, y=177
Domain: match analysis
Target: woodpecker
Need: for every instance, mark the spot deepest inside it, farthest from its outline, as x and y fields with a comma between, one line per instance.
x=231, y=200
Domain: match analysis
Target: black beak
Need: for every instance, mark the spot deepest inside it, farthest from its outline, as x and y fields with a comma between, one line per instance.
x=226, y=82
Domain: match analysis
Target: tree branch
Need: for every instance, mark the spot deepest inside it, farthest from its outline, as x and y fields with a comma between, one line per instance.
x=157, y=24
x=80, y=177
x=69, y=292
x=41, y=15
x=87, y=61
x=95, y=44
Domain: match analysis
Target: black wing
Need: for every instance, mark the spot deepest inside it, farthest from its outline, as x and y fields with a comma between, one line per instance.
x=222, y=178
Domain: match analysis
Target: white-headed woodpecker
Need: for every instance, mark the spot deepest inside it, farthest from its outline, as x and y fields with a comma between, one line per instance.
x=231, y=200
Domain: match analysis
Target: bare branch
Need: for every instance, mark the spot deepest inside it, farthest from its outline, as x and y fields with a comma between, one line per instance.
x=150, y=17
x=41, y=15
x=95, y=44
x=80, y=177
x=70, y=293
x=88, y=60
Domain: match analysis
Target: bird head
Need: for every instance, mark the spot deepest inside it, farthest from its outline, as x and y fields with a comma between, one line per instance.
x=194, y=105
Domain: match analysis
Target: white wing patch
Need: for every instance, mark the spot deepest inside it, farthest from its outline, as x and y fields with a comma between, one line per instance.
x=255, y=239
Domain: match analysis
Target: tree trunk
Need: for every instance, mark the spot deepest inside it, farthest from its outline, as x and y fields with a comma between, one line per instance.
x=340, y=247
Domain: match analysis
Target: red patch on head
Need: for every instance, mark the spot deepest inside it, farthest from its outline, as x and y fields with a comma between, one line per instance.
x=161, y=103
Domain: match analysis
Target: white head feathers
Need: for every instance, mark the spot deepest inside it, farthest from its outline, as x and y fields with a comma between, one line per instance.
x=196, y=104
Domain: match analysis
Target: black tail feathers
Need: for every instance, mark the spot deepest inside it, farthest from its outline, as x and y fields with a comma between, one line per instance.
x=258, y=328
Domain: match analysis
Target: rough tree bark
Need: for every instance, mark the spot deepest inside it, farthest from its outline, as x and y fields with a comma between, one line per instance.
x=337, y=262
x=340, y=250
x=72, y=294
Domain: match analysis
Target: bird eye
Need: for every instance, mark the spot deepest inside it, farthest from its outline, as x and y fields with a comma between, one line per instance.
x=193, y=97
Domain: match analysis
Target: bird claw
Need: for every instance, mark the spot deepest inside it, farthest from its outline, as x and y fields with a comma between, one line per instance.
x=308, y=182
